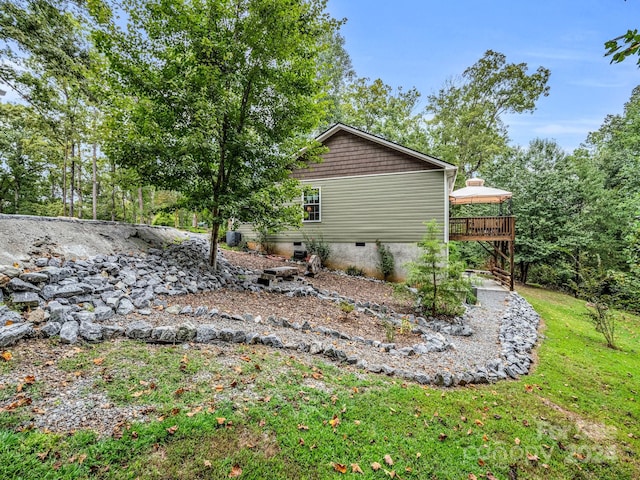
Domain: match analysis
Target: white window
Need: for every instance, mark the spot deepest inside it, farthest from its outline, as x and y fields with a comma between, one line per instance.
x=311, y=205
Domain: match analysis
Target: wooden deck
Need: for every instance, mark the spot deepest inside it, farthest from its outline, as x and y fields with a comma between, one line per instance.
x=482, y=228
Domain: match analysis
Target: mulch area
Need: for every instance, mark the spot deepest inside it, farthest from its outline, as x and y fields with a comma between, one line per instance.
x=300, y=309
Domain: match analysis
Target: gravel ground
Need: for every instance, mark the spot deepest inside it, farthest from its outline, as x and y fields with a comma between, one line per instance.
x=69, y=401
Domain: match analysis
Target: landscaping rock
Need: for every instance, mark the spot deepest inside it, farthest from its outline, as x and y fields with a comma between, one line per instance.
x=51, y=329
x=69, y=332
x=24, y=300
x=10, y=334
x=103, y=313
x=165, y=334
x=139, y=331
x=91, y=332
x=125, y=307
x=17, y=285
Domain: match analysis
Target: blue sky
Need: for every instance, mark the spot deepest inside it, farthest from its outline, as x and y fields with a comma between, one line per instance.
x=422, y=43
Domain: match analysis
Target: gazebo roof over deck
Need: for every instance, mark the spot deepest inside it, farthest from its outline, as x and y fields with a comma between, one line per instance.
x=476, y=192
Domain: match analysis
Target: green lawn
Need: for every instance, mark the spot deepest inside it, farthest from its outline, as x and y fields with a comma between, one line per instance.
x=270, y=416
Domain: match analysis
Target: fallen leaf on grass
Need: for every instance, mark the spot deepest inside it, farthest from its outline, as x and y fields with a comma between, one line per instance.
x=207, y=464
x=6, y=356
x=532, y=458
x=302, y=427
x=442, y=437
x=221, y=420
x=516, y=441
x=235, y=472
x=98, y=361
x=21, y=402
x=478, y=422
x=481, y=462
x=471, y=476
x=388, y=460
x=355, y=468
x=172, y=430
x=491, y=476
x=194, y=411
x=179, y=391
x=245, y=358
x=335, y=421
x=376, y=466
x=317, y=375
x=339, y=467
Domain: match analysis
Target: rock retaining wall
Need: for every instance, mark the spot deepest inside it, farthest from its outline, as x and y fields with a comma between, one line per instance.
x=76, y=299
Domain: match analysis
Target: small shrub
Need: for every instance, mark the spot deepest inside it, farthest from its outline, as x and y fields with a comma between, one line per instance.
x=439, y=281
x=317, y=246
x=346, y=307
x=386, y=262
x=354, y=271
x=265, y=245
x=599, y=314
x=389, y=329
x=405, y=326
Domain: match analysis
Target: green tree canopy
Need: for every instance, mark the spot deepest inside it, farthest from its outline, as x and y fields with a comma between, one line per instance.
x=467, y=127
x=216, y=97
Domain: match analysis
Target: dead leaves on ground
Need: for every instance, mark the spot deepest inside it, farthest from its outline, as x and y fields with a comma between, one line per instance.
x=235, y=472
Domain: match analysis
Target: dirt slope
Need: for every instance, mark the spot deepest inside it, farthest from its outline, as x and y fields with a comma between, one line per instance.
x=23, y=237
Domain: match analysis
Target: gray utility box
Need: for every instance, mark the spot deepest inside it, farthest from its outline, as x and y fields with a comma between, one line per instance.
x=234, y=238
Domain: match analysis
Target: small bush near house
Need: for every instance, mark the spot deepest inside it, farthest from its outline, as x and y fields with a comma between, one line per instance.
x=386, y=262
x=265, y=245
x=354, y=271
x=317, y=246
x=439, y=281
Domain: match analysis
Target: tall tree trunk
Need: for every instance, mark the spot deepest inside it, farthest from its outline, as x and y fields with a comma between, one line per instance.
x=215, y=235
x=94, y=178
x=194, y=220
x=140, y=205
x=79, y=180
x=73, y=178
x=64, y=179
x=124, y=206
x=113, y=191
x=577, y=273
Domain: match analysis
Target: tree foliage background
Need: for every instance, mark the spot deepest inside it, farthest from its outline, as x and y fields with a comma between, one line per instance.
x=188, y=112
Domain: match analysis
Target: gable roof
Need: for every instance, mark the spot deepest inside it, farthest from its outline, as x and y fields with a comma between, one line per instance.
x=341, y=127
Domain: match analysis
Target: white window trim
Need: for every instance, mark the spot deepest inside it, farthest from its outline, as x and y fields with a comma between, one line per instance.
x=319, y=206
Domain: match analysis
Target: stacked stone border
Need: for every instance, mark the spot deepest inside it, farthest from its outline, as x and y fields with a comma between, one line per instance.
x=76, y=297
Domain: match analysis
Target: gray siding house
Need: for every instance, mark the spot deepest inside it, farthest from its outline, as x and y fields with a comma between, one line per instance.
x=367, y=189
